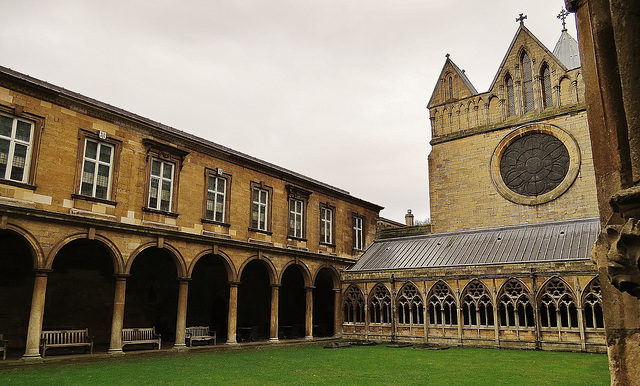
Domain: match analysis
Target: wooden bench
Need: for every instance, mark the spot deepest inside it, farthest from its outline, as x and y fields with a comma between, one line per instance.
x=140, y=336
x=3, y=346
x=66, y=338
x=199, y=333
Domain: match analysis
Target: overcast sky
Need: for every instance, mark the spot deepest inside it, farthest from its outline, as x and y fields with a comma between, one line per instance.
x=333, y=89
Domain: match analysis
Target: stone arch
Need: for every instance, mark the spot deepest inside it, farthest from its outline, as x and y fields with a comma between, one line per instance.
x=477, y=304
x=228, y=263
x=178, y=259
x=257, y=290
x=379, y=304
x=410, y=304
x=306, y=273
x=557, y=304
x=592, y=304
x=515, y=304
x=442, y=305
x=335, y=275
x=326, y=284
x=271, y=268
x=37, y=254
x=353, y=305
x=116, y=256
x=546, y=85
x=564, y=88
x=494, y=112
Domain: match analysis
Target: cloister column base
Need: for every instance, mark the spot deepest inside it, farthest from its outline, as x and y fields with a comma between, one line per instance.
x=231, y=343
x=115, y=352
x=274, y=340
x=180, y=347
x=32, y=358
x=309, y=337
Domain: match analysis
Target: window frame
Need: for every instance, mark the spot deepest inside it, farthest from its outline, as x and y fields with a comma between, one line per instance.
x=169, y=154
x=526, y=69
x=545, y=86
x=358, y=243
x=261, y=186
x=87, y=135
x=510, y=95
x=218, y=174
x=296, y=194
x=17, y=112
x=332, y=226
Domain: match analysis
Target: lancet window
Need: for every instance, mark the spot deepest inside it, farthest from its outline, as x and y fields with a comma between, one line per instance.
x=592, y=305
x=477, y=309
x=353, y=305
x=557, y=305
x=527, y=83
x=380, y=305
x=515, y=308
x=545, y=79
x=410, y=306
x=442, y=306
x=511, y=102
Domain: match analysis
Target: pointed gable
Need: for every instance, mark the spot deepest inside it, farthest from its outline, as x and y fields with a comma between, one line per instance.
x=452, y=85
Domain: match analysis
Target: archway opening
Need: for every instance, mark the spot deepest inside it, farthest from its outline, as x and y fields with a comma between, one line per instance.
x=323, y=304
x=152, y=293
x=80, y=290
x=16, y=287
x=291, y=307
x=254, y=302
x=208, y=303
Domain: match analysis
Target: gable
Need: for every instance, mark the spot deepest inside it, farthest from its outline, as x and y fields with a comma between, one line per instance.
x=451, y=86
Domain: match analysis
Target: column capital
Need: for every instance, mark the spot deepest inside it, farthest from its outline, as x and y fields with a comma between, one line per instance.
x=233, y=283
x=122, y=276
x=42, y=271
x=184, y=279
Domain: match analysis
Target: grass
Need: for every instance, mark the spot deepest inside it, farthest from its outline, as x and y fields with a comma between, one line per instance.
x=313, y=365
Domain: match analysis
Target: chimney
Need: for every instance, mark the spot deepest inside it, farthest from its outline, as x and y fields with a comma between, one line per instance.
x=408, y=218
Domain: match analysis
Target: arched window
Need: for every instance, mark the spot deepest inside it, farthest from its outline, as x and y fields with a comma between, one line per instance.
x=545, y=79
x=592, y=305
x=511, y=102
x=442, y=306
x=477, y=309
x=410, y=306
x=353, y=305
x=557, y=305
x=527, y=83
x=515, y=309
x=380, y=305
x=450, y=87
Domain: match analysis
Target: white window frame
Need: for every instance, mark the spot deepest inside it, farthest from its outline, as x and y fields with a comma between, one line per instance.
x=296, y=218
x=13, y=141
x=160, y=179
x=326, y=225
x=96, y=164
x=358, y=224
x=260, y=207
x=213, y=196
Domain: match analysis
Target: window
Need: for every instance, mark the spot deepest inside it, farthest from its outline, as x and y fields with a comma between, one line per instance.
x=527, y=83
x=511, y=102
x=450, y=87
x=216, y=206
x=380, y=305
x=410, y=308
x=593, y=316
x=442, y=306
x=16, y=143
x=477, y=309
x=353, y=305
x=97, y=165
x=557, y=306
x=545, y=78
x=358, y=225
x=161, y=185
x=515, y=309
x=295, y=217
x=259, y=212
x=326, y=224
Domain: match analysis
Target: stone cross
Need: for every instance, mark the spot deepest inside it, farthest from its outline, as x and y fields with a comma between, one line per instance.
x=563, y=16
x=521, y=18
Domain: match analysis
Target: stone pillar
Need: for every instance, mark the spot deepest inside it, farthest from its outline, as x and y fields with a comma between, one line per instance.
x=275, y=294
x=115, y=346
x=337, y=313
x=309, y=314
x=233, y=313
x=181, y=322
x=32, y=350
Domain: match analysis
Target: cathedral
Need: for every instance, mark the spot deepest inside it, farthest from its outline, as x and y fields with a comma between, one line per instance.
x=514, y=217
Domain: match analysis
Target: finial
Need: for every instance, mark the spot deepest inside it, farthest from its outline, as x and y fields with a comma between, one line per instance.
x=447, y=55
x=563, y=16
x=521, y=18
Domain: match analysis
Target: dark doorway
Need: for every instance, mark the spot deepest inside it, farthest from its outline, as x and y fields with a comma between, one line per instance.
x=323, y=304
x=208, y=303
x=254, y=302
x=292, y=304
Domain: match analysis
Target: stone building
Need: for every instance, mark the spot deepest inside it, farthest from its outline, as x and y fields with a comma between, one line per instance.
x=514, y=217
x=130, y=223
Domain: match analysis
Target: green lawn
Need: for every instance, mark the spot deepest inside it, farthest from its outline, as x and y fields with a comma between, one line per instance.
x=314, y=365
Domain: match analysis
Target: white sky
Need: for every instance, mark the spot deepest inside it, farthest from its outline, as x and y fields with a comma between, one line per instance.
x=333, y=89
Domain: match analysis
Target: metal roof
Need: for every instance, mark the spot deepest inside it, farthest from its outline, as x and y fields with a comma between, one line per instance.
x=567, y=50
x=550, y=241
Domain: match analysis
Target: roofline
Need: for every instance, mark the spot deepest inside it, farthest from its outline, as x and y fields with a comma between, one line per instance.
x=77, y=102
x=460, y=73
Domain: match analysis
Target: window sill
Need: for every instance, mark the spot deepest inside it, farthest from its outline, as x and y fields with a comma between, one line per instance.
x=18, y=184
x=223, y=224
x=328, y=245
x=162, y=212
x=296, y=238
x=260, y=231
x=95, y=199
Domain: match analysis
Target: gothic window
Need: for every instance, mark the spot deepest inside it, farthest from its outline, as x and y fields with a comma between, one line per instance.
x=515, y=308
x=511, y=102
x=380, y=305
x=442, y=306
x=477, y=309
x=410, y=306
x=545, y=79
x=557, y=305
x=450, y=87
x=353, y=305
x=527, y=83
x=592, y=305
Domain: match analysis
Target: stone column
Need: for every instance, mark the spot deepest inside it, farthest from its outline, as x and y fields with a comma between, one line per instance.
x=233, y=313
x=275, y=294
x=181, y=322
x=309, y=314
x=337, y=313
x=32, y=350
x=115, y=347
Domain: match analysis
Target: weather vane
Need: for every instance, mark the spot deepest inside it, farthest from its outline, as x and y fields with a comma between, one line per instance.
x=521, y=18
x=563, y=16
